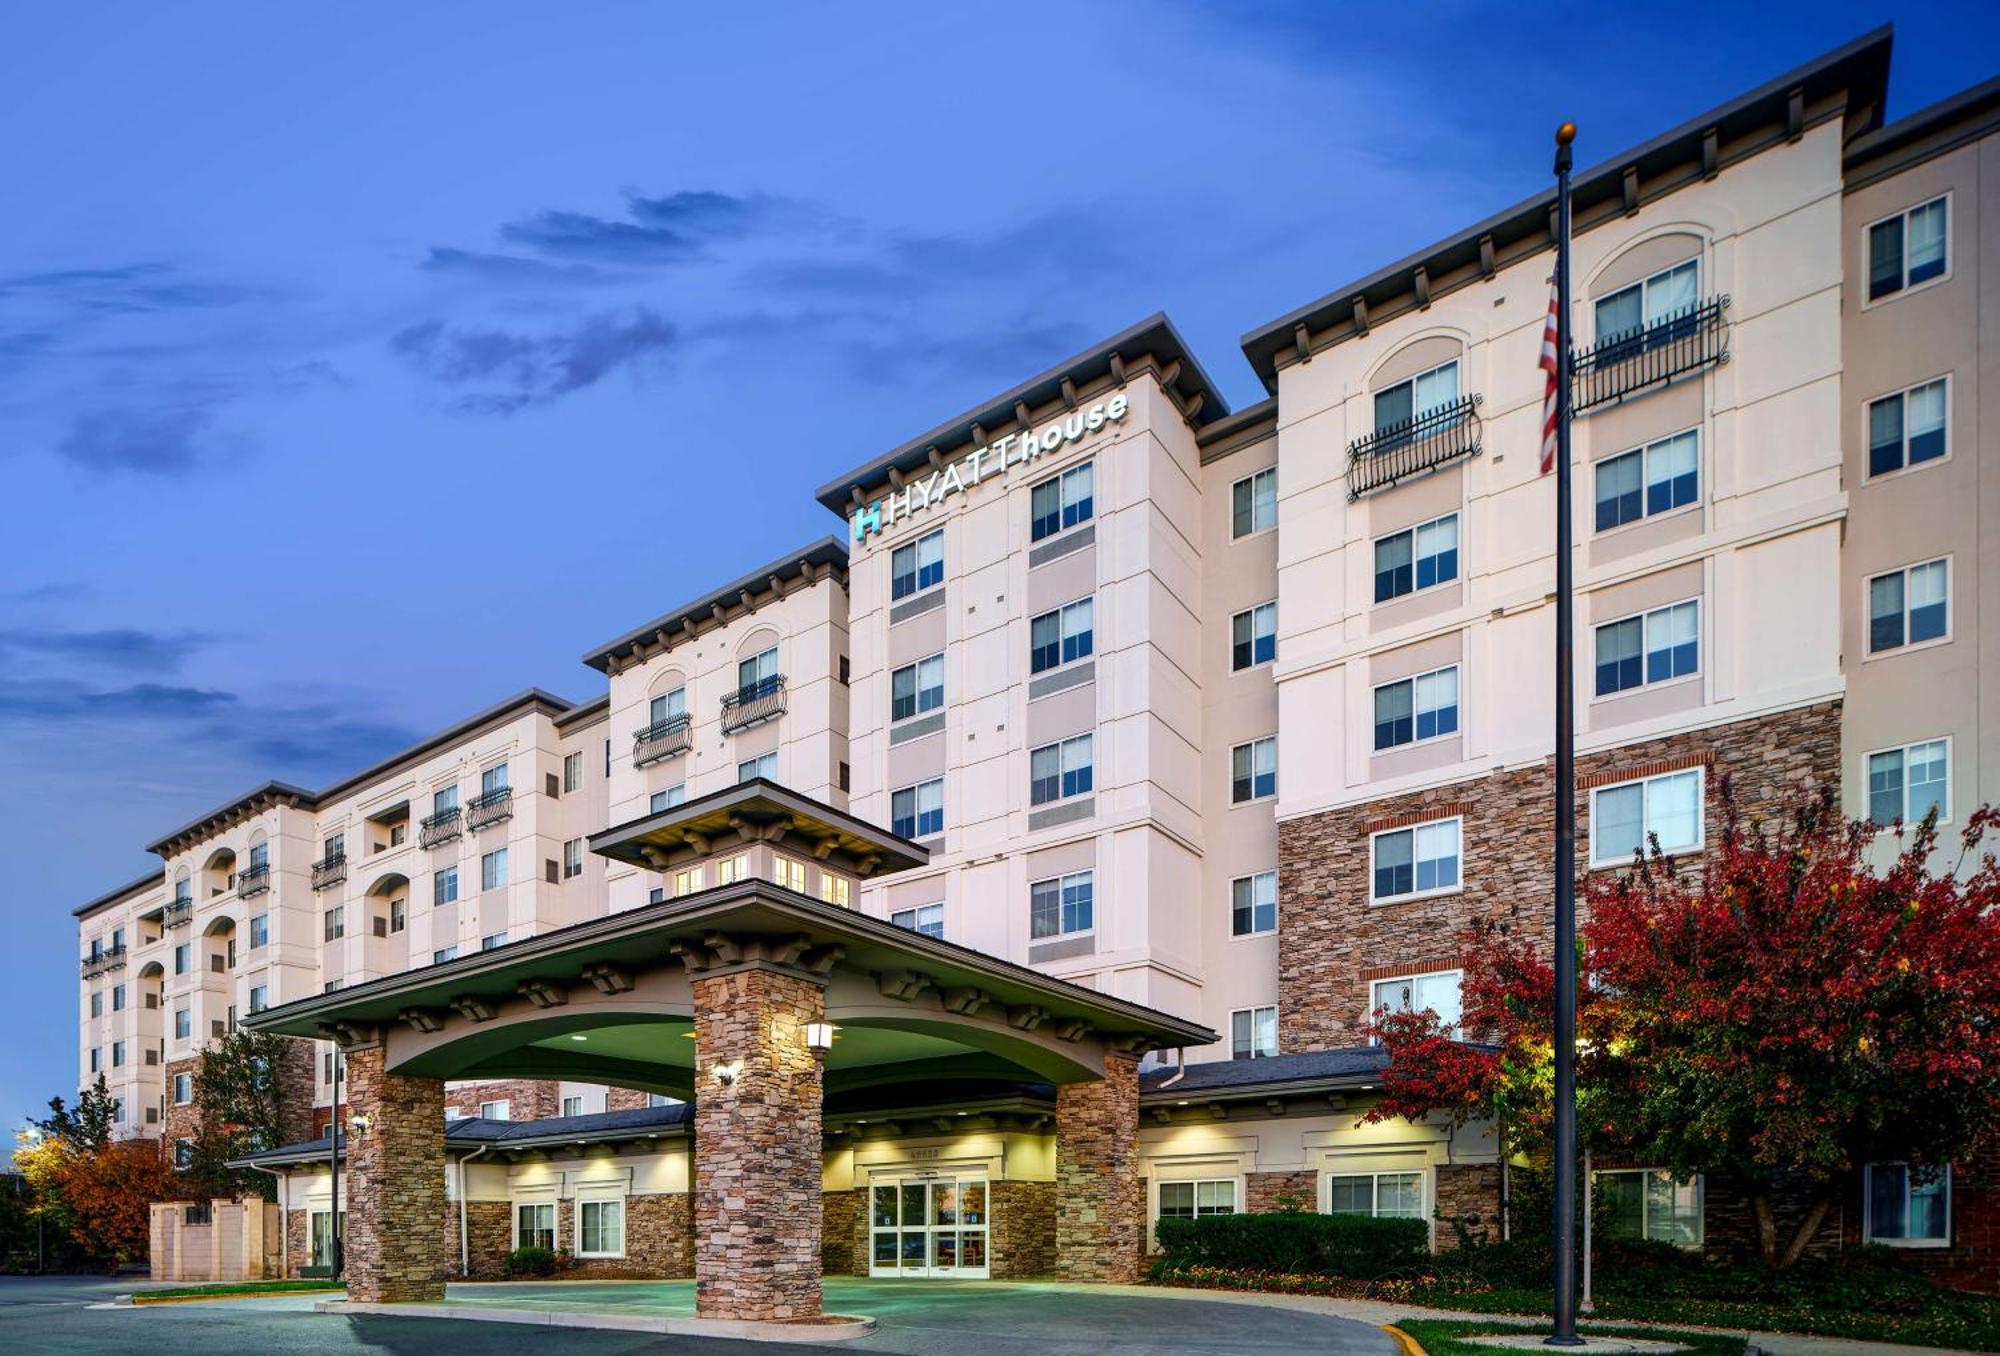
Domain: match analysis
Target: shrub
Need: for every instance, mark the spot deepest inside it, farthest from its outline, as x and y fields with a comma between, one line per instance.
x=531, y=1262
x=1294, y=1243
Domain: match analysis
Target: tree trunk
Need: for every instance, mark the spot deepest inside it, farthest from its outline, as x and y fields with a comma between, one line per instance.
x=1815, y=1217
x=1767, y=1227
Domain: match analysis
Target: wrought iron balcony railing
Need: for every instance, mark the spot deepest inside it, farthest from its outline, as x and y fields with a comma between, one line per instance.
x=177, y=914
x=441, y=827
x=490, y=808
x=255, y=881
x=753, y=702
x=110, y=958
x=1623, y=364
x=662, y=739
x=1439, y=435
x=329, y=871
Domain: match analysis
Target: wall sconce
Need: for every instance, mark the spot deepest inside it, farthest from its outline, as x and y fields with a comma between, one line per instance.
x=725, y=1074
x=819, y=1036
x=359, y=1123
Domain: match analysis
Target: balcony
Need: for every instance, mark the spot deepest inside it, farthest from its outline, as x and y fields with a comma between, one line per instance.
x=329, y=871
x=110, y=958
x=1429, y=440
x=441, y=827
x=255, y=881
x=177, y=914
x=1627, y=363
x=662, y=739
x=753, y=702
x=490, y=809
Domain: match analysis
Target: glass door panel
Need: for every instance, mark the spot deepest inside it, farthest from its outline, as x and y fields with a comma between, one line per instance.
x=928, y=1226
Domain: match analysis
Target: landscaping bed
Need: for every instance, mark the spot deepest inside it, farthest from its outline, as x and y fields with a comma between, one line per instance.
x=234, y=1290
x=1444, y=1337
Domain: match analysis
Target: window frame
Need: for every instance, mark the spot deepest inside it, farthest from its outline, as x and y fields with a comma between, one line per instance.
x=1060, y=480
x=1412, y=680
x=1906, y=287
x=1413, y=531
x=917, y=811
x=1642, y=286
x=1644, y=452
x=1906, y=646
x=757, y=764
x=551, y=1206
x=1063, y=771
x=576, y=1225
x=1250, y=615
x=572, y=771
x=1416, y=412
x=1250, y=481
x=1251, y=882
x=1062, y=884
x=1252, y=1013
x=1436, y=891
x=915, y=547
x=1456, y=974
x=915, y=668
x=1868, y=1208
x=1700, y=1204
x=1424, y=1190
x=1867, y=790
x=916, y=913
x=1648, y=683
x=1087, y=638
x=1700, y=843
x=1237, y=1203
x=1250, y=749
x=1868, y=472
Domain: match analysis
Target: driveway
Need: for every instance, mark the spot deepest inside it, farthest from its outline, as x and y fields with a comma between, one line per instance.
x=919, y=1318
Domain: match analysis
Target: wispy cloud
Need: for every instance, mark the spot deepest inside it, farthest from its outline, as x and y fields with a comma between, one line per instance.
x=513, y=270
x=503, y=371
x=128, y=648
x=57, y=699
x=147, y=441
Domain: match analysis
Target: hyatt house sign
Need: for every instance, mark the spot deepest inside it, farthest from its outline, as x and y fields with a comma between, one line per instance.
x=997, y=458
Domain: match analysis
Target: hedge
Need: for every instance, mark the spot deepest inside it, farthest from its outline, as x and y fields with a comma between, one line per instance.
x=1294, y=1242
x=532, y=1262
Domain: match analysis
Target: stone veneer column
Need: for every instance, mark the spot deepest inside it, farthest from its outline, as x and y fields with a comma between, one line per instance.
x=757, y=1205
x=1100, y=1213
x=397, y=1246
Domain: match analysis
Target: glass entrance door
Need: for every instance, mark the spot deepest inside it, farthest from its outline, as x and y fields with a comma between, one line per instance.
x=928, y=1224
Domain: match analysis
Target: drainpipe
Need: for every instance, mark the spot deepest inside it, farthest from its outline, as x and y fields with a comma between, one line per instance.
x=283, y=1177
x=464, y=1237
x=1180, y=1066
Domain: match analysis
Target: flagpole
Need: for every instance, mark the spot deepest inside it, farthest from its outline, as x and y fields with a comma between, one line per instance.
x=1565, y=855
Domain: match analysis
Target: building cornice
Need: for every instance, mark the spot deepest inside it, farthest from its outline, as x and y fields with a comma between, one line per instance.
x=152, y=880
x=1924, y=135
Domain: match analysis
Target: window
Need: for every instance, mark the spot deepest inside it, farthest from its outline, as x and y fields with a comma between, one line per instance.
x=925, y=918
x=399, y=914
x=1906, y=429
x=97, y=1003
x=764, y=765
x=335, y=923
x=260, y=856
x=445, y=799
x=118, y=1054
x=334, y=847
x=689, y=881
x=1656, y=647
x=656, y=895
x=117, y=939
x=443, y=954
x=493, y=869
x=1908, y=783
x=1908, y=1206
x=183, y=1024
x=118, y=998
x=667, y=799
x=1907, y=249
x=1253, y=503
x=399, y=833
x=572, y=1106
x=444, y=885
x=1253, y=770
x=535, y=1225
x=1186, y=1200
x=1437, y=993
x=495, y=1111
x=1061, y=502
x=784, y=871
x=1416, y=709
x=183, y=958
x=183, y=1089
x=1669, y=293
x=757, y=676
x=1643, y=1204
x=660, y=1099
x=1253, y=1033
x=917, y=566
x=259, y=998
x=1623, y=818
x=492, y=940
x=1412, y=399
x=1059, y=771
x=667, y=707
x=1061, y=636
x=1657, y=478
x=183, y=1153
x=834, y=889
x=572, y=771
x=1908, y=607
x=1420, y=558
x=918, y=811
x=1386, y=1195
x=916, y=688
x=493, y=779
x=600, y=1228
x=260, y=930
x=1061, y=905
x=1253, y=904
x=94, y=1057
x=1253, y=637
x=1419, y=860
x=572, y=858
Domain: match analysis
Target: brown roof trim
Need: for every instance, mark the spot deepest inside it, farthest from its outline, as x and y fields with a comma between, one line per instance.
x=153, y=880
x=1924, y=135
x=1154, y=338
x=597, y=708
x=824, y=558
x=750, y=800
x=1248, y=426
x=1852, y=79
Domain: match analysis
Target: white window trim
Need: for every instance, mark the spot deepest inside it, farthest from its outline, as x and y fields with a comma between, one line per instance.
x=1700, y=261
x=1667, y=515
x=1057, y=476
x=914, y=666
x=1411, y=381
x=576, y=1223
x=913, y=788
x=1950, y=443
x=1057, y=881
x=1251, y=744
x=1437, y=891
x=1868, y=654
x=1909, y=289
x=1868, y=1217
x=1700, y=1203
x=1700, y=843
x=914, y=543
x=1426, y=1188
x=1412, y=679
x=1058, y=610
x=1240, y=480
x=1646, y=684
x=1255, y=932
x=1251, y=612
x=514, y=1218
x=1034, y=805
x=1950, y=766
x=1169, y=1177
x=1369, y=985
x=1253, y=1010
x=1417, y=590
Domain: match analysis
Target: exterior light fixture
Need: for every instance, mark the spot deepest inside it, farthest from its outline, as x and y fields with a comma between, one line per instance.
x=359, y=1123
x=819, y=1036
x=725, y=1074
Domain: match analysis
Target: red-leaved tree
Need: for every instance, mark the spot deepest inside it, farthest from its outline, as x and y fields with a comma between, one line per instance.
x=1783, y=1012
x=110, y=1191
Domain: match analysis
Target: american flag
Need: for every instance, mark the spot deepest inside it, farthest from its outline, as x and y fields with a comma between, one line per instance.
x=1550, y=365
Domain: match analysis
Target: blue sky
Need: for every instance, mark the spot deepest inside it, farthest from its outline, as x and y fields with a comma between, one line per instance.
x=362, y=364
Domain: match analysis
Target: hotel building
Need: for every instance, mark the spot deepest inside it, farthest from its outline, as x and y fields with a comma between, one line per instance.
x=1123, y=752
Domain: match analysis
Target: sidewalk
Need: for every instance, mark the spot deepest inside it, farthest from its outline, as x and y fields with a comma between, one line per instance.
x=1378, y=1313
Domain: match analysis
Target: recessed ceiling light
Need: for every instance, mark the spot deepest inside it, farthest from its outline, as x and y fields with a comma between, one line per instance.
x=579, y=1038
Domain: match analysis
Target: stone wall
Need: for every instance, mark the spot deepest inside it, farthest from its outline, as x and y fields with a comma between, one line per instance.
x=179, y=1122
x=1021, y=1230
x=489, y=1237
x=625, y=1099
x=757, y=1159
x=397, y=1245
x=843, y=1245
x=1333, y=942
x=1468, y=1197
x=659, y=1241
x=528, y=1099
x=1100, y=1203
x=296, y=1256
x=295, y=1090
x=1267, y=1193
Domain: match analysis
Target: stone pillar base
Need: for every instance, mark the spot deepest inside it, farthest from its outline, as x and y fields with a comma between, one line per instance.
x=397, y=1244
x=1100, y=1210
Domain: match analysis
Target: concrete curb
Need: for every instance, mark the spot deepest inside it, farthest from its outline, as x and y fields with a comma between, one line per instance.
x=1407, y=1344
x=141, y=1300
x=838, y=1328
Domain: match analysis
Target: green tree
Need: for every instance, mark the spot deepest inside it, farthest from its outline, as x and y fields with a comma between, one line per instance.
x=88, y=1124
x=239, y=1109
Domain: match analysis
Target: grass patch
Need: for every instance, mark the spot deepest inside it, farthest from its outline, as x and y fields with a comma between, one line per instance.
x=1445, y=1337
x=225, y=1289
